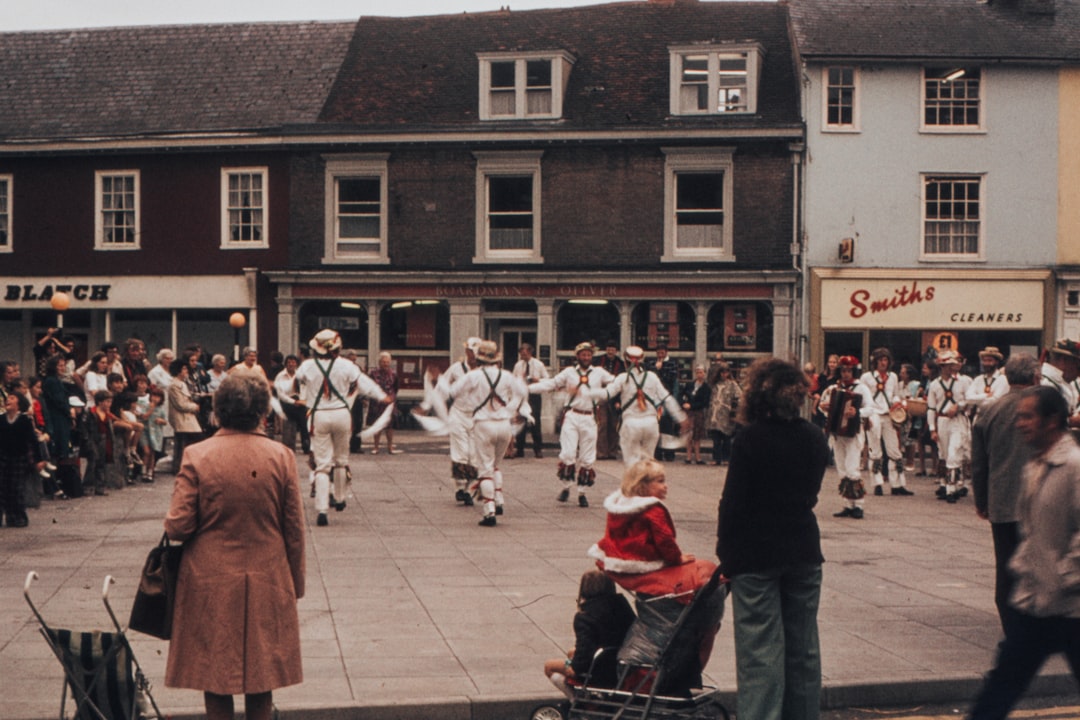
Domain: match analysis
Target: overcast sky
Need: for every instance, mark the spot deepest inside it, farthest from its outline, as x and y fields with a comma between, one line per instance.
x=54, y=14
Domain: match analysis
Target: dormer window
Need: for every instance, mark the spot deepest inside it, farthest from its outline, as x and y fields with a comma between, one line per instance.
x=520, y=86
x=713, y=80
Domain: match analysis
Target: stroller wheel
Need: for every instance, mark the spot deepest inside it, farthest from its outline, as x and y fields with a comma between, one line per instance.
x=712, y=711
x=547, y=712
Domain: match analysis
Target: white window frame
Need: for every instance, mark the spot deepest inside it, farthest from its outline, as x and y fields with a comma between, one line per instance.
x=507, y=164
x=826, y=86
x=561, y=62
x=100, y=242
x=754, y=54
x=227, y=243
x=6, y=211
x=924, y=180
x=953, y=129
x=696, y=161
x=347, y=167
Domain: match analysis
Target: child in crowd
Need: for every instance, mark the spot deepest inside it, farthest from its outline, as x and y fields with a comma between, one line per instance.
x=155, y=422
x=602, y=620
x=124, y=408
x=100, y=425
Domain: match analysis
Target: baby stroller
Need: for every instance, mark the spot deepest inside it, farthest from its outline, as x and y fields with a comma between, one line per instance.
x=100, y=669
x=659, y=673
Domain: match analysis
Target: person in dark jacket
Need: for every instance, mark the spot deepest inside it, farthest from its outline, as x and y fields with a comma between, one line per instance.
x=602, y=620
x=769, y=546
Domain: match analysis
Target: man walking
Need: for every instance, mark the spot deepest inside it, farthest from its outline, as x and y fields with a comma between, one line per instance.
x=530, y=370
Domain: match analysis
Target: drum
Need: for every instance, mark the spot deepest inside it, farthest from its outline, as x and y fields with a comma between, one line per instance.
x=898, y=414
x=916, y=407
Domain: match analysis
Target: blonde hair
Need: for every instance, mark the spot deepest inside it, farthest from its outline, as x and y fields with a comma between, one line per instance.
x=637, y=477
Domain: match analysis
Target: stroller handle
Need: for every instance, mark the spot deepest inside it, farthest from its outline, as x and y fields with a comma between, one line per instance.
x=30, y=578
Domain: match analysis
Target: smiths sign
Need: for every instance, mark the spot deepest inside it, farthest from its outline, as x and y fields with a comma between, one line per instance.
x=915, y=303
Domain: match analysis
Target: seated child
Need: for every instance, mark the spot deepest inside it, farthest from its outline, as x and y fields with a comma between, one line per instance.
x=602, y=619
x=638, y=550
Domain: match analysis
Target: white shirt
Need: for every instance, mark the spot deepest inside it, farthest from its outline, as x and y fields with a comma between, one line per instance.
x=942, y=395
x=1052, y=377
x=866, y=407
x=883, y=393
x=625, y=387
x=530, y=370
x=595, y=378
x=494, y=393
x=984, y=390
x=342, y=374
x=283, y=387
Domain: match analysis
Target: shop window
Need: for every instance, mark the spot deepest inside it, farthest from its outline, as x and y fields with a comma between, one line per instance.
x=596, y=321
x=508, y=207
x=698, y=196
x=209, y=329
x=349, y=318
x=5, y=212
x=244, y=208
x=417, y=334
x=521, y=86
x=668, y=323
x=356, y=201
x=740, y=327
x=952, y=98
x=116, y=217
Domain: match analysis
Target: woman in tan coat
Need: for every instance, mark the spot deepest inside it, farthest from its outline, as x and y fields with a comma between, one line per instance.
x=236, y=504
x=183, y=412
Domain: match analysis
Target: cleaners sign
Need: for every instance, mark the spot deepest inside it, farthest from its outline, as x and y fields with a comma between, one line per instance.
x=906, y=303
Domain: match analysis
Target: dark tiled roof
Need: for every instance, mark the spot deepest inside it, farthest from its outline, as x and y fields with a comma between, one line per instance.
x=920, y=29
x=423, y=72
x=146, y=80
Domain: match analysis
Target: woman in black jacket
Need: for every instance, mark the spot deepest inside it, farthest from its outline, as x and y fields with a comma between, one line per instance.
x=770, y=547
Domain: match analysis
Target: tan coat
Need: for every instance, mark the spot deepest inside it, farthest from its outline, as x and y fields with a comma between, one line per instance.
x=237, y=504
x=183, y=410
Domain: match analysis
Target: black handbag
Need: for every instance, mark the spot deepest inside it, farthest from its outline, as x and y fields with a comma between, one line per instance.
x=152, y=611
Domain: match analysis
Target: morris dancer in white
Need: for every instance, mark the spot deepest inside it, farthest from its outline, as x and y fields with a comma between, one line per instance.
x=459, y=422
x=641, y=394
x=497, y=398
x=577, y=440
x=884, y=395
x=991, y=384
x=846, y=447
x=327, y=386
x=949, y=426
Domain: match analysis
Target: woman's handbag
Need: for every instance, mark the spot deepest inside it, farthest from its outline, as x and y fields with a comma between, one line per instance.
x=152, y=611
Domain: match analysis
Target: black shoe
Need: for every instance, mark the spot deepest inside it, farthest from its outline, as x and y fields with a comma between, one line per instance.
x=878, y=490
x=333, y=502
x=941, y=492
x=900, y=491
x=468, y=500
x=323, y=521
x=846, y=512
x=339, y=506
x=582, y=501
x=519, y=454
x=564, y=495
x=461, y=496
x=100, y=492
x=537, y=453
x=962, y=492
x=498, y=509
x=951, y=498
x=488, y=521
x=857, y=513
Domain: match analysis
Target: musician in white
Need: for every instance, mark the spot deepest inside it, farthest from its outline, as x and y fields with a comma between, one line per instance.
x=641, y=394
x=497, y=398
x=884, y=390
x=847, y=448
x=991, y=384
x=577, y=439
x=328, y=386
x=950, y=427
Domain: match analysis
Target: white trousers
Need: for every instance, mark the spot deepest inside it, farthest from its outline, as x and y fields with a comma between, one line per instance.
x=847, y=451
x=330, y=445
x=460, y=427
x=953, y=440
x=491, y=438
x=638, y=437
x=882, y=428
x=577, y=441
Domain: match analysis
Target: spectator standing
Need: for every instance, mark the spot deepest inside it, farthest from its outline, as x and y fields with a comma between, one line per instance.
x=607, y=411
x=695, y=400
x=530, y=370
x=769, y=546
x=387, y=380
x=723, y=404
x=667, y=370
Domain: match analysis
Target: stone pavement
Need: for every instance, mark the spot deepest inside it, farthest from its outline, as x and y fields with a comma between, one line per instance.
x=413, y=611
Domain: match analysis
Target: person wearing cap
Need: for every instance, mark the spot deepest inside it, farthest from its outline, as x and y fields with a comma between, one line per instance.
x=459, y=423
x=496, y=398
x=641, y=395
x=847, y=450
x=991, y=383
x=577, y=439
x=531, y=370
x=1060, y=369
x=884, y=390
x=950, y=428
x=327, y=386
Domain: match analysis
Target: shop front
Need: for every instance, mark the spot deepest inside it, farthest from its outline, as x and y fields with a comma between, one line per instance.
x=917, y=313
x=162, y=311
x=423, y=320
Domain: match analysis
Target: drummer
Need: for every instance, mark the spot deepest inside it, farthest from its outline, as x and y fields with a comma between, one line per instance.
x=841, y=409
x=884, y=389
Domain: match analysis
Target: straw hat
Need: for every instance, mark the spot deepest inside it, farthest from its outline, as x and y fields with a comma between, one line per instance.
x=325, y=342
x=487, y=352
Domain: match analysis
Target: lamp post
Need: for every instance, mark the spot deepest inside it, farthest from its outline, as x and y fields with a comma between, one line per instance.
x=237, y=321
x=60, y=302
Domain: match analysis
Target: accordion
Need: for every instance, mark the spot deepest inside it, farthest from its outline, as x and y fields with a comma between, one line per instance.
x=838, y=424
